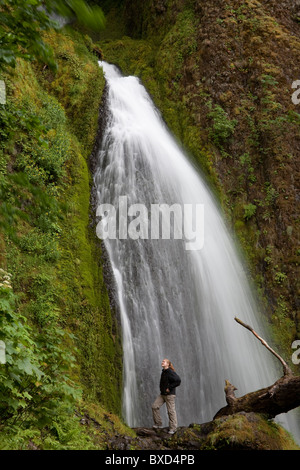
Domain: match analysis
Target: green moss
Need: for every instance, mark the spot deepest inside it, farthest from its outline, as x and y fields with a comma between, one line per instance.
x=85, y=299
x=78, y=84
x=54, y=256
x=179, y=43
x=86, y=302
x=241, y=431
x=249, y=431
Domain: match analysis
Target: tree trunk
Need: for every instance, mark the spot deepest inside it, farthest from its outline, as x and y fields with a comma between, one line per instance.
x=281, y=397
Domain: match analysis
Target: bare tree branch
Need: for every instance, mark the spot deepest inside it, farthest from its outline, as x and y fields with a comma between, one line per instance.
x=282, y=396
x=286, y=368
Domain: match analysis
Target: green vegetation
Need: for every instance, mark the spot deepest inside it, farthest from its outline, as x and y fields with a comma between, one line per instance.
x=222, y=127
x=35, y=378
x=242, y=431
x=249, y=211
x=22, y=25
x=53, y=296
x=61, y=385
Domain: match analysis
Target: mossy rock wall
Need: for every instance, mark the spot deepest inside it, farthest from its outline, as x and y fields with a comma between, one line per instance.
x=50, y=247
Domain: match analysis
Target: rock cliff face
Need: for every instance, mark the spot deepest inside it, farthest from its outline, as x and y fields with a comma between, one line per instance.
x=222, y=75
x=49, y=251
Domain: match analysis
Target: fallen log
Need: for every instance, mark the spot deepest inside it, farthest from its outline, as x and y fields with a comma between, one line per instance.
x=281, y=397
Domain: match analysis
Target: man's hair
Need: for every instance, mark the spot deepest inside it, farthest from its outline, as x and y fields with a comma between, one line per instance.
x=170, y=365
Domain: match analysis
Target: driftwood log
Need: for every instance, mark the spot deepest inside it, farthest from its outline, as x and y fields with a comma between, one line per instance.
x=281, y=397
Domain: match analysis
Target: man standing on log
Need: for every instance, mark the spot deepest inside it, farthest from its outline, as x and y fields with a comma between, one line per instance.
x=169, y=380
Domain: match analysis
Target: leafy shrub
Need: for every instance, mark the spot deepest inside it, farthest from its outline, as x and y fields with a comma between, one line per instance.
x=14, y=119
x=52, y=113
x=34, y=380
x=22, y=24
x=249, y=211
x=280, y=277
x=222, y=127
x=40, y=244
x=43, y=161
x=22, y=201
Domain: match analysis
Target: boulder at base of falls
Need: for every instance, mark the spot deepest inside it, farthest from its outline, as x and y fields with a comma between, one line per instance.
x=241, y=431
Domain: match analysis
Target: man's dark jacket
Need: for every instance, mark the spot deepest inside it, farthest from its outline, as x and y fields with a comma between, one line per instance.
x=169, y=379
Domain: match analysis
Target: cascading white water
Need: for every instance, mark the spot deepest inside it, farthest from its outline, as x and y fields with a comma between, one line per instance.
x=174, y=302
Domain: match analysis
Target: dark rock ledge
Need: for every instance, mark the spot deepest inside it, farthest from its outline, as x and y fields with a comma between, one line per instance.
x=242, y=431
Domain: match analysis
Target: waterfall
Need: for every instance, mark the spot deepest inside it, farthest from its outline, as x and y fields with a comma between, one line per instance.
x=175, y=302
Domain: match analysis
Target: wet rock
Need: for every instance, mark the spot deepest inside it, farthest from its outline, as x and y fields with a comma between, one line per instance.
x=243, y=431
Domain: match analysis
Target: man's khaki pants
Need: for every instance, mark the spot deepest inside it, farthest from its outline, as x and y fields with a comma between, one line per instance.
x=169, y=400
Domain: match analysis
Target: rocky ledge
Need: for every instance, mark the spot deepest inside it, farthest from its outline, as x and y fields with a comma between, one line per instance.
x=242, y=431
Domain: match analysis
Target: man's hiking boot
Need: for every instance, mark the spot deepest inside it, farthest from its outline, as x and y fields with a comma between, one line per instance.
x=171, y=431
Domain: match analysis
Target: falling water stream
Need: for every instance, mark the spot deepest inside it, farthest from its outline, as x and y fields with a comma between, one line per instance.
x=174, y=302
